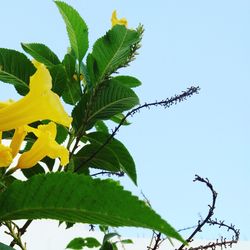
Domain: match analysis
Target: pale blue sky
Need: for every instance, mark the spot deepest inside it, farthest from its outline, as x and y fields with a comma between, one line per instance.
x=186, y=43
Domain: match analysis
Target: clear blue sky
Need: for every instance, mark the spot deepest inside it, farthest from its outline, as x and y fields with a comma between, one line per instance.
x=186, y=43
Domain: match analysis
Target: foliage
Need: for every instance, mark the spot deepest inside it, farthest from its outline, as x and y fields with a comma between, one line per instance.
x=91, y=84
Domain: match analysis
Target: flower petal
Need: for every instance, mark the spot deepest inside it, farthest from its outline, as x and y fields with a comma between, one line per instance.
x=17, y=140
x=39, y=104
x=45, y=145
x=5, y=156
x=115, y=20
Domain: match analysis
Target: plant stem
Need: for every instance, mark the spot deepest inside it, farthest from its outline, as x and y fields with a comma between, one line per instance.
x=15, y=233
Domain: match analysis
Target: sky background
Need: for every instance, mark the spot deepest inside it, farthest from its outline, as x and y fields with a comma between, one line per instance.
x=186, y=43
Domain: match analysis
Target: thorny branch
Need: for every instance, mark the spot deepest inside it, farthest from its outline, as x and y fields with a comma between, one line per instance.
x=210, y=211
x=165, y=103
x=222, y=242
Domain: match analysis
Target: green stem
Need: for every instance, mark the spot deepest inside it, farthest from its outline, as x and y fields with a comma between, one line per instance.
x=14, y=232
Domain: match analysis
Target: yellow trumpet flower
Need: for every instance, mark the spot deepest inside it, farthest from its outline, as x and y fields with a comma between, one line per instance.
x=5, y=156
x=17, y=140
x=115, y=20
x=45, y=145
x=39, y=104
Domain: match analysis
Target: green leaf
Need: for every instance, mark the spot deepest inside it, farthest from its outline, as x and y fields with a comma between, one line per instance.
x=119, y=150
x=79, y=198
x=110, y=99
x=5, y=247
x=100, y=126
x=76, y=28
x=69, y=63
x=127, y=241
x=103, y=228
x=62, y=133
x=59, y=78
x=128, y=81
x=111, y=52
x=49, y=162
x=29, y=172
x=72, y=92
x=109, y=236
x=41, y=53
x=80, y=243
x=105, y=159
x=107, y=246
x=16, y=69
x=119, y=118
x=79, y=112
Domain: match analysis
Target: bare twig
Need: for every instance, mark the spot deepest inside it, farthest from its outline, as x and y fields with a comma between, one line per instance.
x=222, y=242
x=119, y=174
x=210, y=211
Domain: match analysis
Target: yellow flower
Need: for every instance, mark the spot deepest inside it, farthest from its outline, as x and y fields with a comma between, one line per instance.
x=5, y=156
x=39, y=104
x=45, y=145
x=115, y=20
x=17, y=140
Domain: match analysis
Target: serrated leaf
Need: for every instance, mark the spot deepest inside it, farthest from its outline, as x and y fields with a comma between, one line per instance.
x=119, y=150
x=79, y=111
x=79, y=198
x=111, y=52
x=69, y=63
x=72, y=92
x=59, y=78
x=81, y=243
x=29, y=172
x=5, y=247
x=76, y=28
x=62, y=133
x=16, y=69
x=128, y=81
x=112, y=99
x=41, y=53
x=88, y=158
x=100, y=126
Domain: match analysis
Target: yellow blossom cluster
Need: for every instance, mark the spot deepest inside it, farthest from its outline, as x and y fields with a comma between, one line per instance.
x=41, y=103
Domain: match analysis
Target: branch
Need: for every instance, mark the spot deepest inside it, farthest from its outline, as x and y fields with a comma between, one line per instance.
x=210, y=211
x=165, y=103
x=119, y=174
x=21, y=231
x=222, y=242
